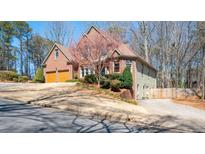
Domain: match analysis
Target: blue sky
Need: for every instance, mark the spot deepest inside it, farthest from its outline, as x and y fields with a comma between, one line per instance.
x=40, y=27
x=78, y=27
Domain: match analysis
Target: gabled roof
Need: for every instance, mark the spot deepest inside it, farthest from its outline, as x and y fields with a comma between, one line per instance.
x=64, y=51
x=103, y=34
x=122, y=48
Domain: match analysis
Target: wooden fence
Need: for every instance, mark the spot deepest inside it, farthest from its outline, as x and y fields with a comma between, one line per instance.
x=167, y=93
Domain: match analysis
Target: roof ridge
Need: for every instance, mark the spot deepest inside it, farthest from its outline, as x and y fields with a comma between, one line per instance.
x=64, y=50
x=58, y=44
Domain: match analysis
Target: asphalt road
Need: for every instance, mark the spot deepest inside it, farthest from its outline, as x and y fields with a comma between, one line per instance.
x=17, y=117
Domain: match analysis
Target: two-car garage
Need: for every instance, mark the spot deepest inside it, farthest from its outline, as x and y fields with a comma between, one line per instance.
x=58, y=76
x=58, y=66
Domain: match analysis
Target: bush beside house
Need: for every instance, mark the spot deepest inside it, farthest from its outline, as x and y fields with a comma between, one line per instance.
x=114, y=81
x=126, y=79
x=90, y=79
x=105, y=83
x=115, y=85
x=39, y=77
x=114, y=76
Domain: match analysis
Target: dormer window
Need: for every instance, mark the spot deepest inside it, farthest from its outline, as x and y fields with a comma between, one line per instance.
x=56, y=54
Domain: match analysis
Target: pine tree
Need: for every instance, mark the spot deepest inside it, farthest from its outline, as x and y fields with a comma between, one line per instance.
x=6, y=38
x=126, y=78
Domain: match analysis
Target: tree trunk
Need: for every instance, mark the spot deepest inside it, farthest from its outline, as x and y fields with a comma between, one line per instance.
x=203, y=74
x=21, y=56
x=27, y=58
x=145, y=41
x=98, y=83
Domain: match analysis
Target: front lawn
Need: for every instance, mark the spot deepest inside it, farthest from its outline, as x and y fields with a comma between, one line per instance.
x=83, y=99
x=106, y=92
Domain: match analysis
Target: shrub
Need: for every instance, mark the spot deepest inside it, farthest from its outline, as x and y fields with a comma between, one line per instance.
x=114, y=76
x=115, y=85
x=8, y=75
x=15, y=79
x=105, y=83
x=22, y=79
x=90, y=79
x=39, y=77
x=126, y=79
x=12, y=75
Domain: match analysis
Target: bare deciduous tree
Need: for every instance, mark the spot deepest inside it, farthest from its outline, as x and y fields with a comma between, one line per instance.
x=60, y=32
x=201, y=34
x=93, y=54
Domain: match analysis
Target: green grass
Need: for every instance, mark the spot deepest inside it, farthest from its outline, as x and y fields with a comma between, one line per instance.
x=74, y=80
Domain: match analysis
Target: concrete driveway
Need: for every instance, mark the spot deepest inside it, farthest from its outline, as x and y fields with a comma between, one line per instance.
x=167, y=107
x=187, y=115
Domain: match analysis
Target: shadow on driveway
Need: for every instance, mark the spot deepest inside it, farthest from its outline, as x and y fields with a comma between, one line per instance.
x=24, y=118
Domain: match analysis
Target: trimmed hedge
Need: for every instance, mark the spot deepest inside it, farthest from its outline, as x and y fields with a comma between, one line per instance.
x=39, y=77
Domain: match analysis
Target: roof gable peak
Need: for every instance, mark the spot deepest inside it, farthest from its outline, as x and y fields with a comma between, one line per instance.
x=60, y=48
x=93, y=27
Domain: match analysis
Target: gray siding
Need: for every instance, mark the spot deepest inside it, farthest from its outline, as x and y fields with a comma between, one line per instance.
x=145, y=79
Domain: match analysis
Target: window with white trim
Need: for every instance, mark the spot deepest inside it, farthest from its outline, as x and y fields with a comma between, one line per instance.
x=56, y=54
x=116, y=66
x=82, y=72
x=86, y=71
x=128, y=63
